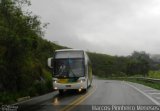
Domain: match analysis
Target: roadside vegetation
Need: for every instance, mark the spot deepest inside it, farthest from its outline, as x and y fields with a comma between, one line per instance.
x=154, y=74
x=152, y=84
x=137, y=64
x=24, y=53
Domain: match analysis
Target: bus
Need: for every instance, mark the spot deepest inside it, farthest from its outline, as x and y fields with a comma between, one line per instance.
x=71, y=70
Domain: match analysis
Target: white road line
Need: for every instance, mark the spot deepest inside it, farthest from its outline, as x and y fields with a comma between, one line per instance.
x=152, y=90
x=149, y=97
x=154, y=93
x=157, y=97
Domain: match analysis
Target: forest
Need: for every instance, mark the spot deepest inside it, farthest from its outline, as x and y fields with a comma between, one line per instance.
x=23, y=53
x=136, y=64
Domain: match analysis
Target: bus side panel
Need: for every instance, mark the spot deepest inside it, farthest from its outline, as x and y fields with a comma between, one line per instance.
x=90, y=73
x=88, y=69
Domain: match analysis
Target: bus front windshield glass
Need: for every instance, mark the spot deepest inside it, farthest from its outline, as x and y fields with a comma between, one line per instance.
x=70, y=67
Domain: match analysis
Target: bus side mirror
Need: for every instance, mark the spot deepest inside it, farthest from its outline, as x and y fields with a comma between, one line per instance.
x=50, y=62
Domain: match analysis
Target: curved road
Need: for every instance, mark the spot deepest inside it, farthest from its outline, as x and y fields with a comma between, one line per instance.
x=102, y=92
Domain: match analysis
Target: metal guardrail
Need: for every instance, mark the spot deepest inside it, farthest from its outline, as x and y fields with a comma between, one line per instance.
x=149, y=79
x=142, y=78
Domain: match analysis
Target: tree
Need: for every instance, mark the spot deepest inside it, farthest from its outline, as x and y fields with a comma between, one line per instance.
x=138, y=63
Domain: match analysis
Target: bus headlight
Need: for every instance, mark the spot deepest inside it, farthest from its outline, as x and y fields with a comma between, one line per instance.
x=55, y=88
x=81, y=80
x=55, y=81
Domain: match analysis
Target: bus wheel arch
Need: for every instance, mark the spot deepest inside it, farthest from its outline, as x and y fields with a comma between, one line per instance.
x=61, y=91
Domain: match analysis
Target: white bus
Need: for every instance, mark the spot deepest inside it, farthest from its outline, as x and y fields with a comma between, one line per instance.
x=71, y=70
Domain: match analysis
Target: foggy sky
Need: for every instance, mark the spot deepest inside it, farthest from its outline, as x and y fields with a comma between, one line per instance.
x=114, y=27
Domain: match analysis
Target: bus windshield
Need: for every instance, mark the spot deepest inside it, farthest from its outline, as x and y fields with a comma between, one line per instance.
x=69, y=67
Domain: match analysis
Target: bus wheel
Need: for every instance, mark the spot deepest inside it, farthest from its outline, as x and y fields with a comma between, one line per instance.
x=61, y=91
x=85, y=90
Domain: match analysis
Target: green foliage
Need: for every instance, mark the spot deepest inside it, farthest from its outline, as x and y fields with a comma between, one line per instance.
x=154, y=74
x=23, y=53
x=106, y=66
x=114, y=66
x=140, y=81
x=145, y=82
x=6, y=97
x=139, y=63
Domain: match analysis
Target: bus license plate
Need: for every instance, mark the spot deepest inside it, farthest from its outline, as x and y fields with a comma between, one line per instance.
x=68, y=85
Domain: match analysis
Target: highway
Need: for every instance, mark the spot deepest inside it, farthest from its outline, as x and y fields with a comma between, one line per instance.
x=102, y=92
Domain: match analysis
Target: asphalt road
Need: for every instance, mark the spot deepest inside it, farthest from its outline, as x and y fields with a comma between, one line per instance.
x=102, y=92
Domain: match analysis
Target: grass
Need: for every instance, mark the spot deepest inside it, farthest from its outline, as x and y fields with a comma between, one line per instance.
x=9, y=97
x=145, y=82
x=37, y=89
x=154, y=74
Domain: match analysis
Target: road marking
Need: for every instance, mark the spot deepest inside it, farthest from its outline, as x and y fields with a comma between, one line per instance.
x=78, y=101
x=154, y=93
x=72, y=105
x=152, y=90
x=149, y=97
x=157, y=97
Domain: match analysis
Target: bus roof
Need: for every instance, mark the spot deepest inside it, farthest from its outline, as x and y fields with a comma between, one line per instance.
x=69, y=53
x=62, y=50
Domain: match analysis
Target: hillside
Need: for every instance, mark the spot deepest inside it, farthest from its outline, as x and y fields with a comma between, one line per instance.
x=23, y=54
x=155, y=57
x=107, y=66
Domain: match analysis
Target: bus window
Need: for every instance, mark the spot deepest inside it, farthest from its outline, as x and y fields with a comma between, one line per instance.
x=72, y=67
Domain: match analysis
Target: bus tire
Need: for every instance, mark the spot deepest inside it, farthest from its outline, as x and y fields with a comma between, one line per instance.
x=85, y=90
x=61, y=91
x=87, y=84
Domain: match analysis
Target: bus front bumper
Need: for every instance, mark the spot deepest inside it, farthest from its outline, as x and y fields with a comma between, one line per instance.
x=77, y=85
